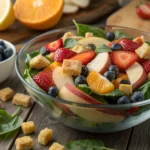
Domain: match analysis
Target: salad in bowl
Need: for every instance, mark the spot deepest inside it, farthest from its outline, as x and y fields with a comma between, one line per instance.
x=94, y=79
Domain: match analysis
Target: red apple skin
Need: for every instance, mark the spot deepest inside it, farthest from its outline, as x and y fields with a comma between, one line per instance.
x=141, y=81
x=104, y=68
x=81, y=94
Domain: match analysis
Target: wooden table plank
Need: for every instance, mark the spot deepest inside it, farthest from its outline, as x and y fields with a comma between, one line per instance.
x=62, y=134
x=140, y=138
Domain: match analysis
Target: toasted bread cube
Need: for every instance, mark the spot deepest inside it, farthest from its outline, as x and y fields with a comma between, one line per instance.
x=28, y=127
x=6, y=94
x=24, y=143
x=39, y=62
x=45, y=136
x=148, y=76
x=50, y=56
x=71, y=35
x=21, y=100
x=126, y=88
x=79, y=48
x=57, y=146
x=139, y=39
x=143, y=51
x=88, y=34
x=72, y=67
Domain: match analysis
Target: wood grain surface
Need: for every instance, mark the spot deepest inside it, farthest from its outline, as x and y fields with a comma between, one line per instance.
x=127, y=17
x=96, y=10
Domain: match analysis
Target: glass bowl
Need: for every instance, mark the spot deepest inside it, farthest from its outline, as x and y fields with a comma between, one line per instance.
x=93, y=118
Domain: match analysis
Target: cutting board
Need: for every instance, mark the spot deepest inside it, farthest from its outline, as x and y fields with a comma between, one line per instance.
x=96, y=10
x=127, y=17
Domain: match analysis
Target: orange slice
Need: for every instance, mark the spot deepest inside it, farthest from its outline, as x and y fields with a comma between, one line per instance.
x=38, y=14
x=98, y=83
x=53, y=65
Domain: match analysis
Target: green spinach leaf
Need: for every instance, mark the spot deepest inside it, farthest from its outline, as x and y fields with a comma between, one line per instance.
x=86, y=145
x=9, y=123
x=69, y=43
x=145, y=89
x=148, y=42
x=119, y=34
x=86, y=89
x=103, y=48
x=82, y=29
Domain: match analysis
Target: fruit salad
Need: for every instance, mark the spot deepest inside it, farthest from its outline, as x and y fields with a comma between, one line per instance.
x=93, y=67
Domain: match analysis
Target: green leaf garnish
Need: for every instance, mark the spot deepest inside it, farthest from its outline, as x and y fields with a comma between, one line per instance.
x=119, y=34
x=82, y=29
x=86, y=145
x=69, y=43
x=103, y=48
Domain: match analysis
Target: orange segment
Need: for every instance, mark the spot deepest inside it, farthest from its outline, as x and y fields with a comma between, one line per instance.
x=121, y=76
x=98, y=83
x=38, y=14
x=52, y=66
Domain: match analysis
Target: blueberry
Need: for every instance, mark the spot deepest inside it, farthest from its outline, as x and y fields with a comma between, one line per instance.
x=2, y=44
x=84, y=71
x=137, y=96
x=43, y=51
x=116, y=46
x=7, y=53
x=123, y=100
x=1, y=57
x=92, y=46
x=53, y=91
x=114, y=68
x=110, y=75
x=110, y=36
x=1, y=49
x=80, y=80
x=125, y=82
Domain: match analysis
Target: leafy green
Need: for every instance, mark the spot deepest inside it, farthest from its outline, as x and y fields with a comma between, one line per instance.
x=9, y=123
x=86, y=145
x=119, y=34
x=86, y=89
x=99, y=98
x=142, y=109
x=103, y=48
x=145, y=89
x=69, y=43
x=148, y=42
x=82, y=29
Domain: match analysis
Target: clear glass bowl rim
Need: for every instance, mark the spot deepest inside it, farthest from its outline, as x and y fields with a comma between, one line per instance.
x=113, y=106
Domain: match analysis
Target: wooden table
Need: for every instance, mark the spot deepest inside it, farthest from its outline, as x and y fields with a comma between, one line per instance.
x=137, y=138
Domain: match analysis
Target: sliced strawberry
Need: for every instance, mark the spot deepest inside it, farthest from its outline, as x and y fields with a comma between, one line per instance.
x=44, y=80
x=51, y=47
x=129, y=45
x=140, y=60
x=132, y=110
x=146, y=66
x=84, y=57
x=63, y=53
x=143, y=11
x=123, y=59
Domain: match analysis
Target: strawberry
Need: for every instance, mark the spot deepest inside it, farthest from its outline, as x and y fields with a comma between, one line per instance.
x=84, y=57
x=51, y=47
x=143, y=11
x=63, y=53
x=123, y=59
x=44, y=80
x=129, y=45
x=146, y=66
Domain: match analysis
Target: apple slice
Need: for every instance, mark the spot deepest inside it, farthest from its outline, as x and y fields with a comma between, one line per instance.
x=81, y=3
x=93, y=40
x=60, y=78
x=72, y=94
x=100, y=63
x=137, y=75
x=70, y=9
